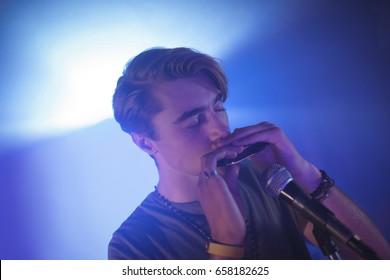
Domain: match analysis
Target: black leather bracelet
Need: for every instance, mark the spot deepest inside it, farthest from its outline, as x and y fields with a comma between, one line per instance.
x=322, y=191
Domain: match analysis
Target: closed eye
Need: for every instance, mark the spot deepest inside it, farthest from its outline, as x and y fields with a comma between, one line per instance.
x=218, y=106
x=195, y=121
x=218, y=103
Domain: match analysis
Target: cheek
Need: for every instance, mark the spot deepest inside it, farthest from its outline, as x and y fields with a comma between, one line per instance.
x=183, y=143
x=195, y=142
x=190, y=144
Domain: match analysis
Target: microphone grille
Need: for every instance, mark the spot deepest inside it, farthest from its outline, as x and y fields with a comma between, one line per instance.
x=274, y=179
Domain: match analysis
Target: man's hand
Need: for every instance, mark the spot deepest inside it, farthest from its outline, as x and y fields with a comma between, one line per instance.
x=218, y=195
x=280, y=150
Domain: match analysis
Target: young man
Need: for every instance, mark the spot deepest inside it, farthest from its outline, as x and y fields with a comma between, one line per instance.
x=171, y=102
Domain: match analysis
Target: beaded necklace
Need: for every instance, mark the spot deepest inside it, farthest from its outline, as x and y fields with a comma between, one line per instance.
x=190, y=221
x=185, y=217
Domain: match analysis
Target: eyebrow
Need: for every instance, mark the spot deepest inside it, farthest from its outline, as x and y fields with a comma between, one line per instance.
x=188, y=114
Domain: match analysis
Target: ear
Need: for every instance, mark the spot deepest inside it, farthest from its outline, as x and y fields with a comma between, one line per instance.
x=144, y=143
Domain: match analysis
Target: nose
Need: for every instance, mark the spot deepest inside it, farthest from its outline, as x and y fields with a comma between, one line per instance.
x=218, y=126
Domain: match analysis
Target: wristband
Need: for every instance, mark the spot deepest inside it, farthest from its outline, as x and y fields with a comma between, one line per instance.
x=229, y=251
x=322, y=191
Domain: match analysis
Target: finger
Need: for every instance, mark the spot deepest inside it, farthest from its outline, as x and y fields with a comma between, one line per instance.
x=209, y=161
x=244, y=132
x=266, y=136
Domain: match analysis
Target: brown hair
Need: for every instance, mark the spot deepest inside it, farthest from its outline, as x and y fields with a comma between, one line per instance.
x=133, y=101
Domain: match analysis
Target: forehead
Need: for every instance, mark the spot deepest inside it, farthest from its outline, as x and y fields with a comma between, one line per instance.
x=186, y=94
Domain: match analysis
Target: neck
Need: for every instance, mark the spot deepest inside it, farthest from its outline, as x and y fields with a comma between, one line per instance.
x=177, y=187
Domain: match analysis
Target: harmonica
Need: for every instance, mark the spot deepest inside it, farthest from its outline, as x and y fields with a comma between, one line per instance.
x=247, y=152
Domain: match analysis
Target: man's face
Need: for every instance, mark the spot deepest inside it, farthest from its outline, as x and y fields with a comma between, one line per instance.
x=193, y=118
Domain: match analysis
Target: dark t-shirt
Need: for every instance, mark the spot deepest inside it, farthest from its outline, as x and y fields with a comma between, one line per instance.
x=159, y=229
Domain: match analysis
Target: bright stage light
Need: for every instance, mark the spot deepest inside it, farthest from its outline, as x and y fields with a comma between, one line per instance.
x=77, y=56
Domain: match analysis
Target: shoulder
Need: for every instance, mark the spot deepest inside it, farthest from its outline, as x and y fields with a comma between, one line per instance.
x=137, y=231
x=153, y=231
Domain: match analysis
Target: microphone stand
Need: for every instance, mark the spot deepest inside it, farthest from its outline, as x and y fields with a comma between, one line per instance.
x=320, y=216
x=325, y=220
x=326, y=244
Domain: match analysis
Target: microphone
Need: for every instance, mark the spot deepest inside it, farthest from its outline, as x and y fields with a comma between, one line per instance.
x=278, y=182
